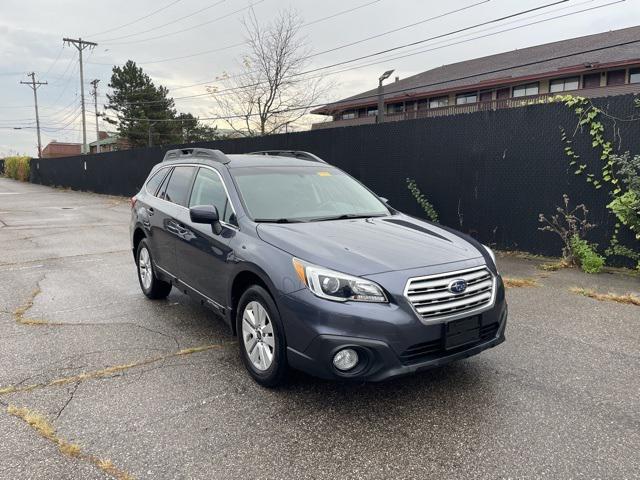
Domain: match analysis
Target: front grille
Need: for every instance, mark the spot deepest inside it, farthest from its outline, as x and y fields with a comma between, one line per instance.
x=430, y=350
x=432, y=300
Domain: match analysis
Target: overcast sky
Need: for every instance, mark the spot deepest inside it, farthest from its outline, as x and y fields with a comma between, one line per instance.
x=31, y=34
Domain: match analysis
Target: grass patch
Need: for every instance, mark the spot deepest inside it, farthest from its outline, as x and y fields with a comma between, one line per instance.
x=46, y=430
x=519, y=282
x=110, y=371
x=20, y=313
x=554, y=266
x=628, y=298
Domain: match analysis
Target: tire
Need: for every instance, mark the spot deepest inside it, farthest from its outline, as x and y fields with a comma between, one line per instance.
x=261, y=338
x=151, y=285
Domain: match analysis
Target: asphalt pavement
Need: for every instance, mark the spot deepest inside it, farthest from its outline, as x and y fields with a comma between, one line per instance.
x=156, y=389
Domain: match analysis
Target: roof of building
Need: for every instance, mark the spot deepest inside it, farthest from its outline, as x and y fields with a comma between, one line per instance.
x=104, y=141
x=510, y=67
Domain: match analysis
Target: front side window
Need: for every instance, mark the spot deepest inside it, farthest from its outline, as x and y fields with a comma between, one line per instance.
x=564, y=84
x=208, y=189
x=291, y=194
x=525, y=90
x=155, y=181
x=464, y=98
x=177, y=190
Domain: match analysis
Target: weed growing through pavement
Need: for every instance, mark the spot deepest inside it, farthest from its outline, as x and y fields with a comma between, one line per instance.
x=519, y=282
x=46, y=430
x=628, y=298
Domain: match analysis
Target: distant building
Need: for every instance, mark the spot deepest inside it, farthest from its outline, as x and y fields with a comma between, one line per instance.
x=61, y=149
x=505, y=80
x=109, y=142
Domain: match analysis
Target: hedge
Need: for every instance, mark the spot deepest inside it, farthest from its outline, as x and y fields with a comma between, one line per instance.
x=17, y=168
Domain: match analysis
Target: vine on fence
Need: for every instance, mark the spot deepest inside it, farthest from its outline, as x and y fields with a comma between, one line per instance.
x=428, y=208
x=625, y=204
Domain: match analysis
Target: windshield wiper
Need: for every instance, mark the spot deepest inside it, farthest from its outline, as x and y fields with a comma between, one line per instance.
x=276, y=220
x=344, y=216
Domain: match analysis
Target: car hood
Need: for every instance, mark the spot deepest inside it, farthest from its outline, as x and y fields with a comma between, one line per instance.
x=369, y=245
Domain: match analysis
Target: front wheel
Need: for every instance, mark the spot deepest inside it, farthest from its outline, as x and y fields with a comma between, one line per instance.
x=150, y=284
x=262, y=343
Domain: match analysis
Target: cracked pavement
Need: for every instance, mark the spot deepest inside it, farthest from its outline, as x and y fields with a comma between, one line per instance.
x=559, y=399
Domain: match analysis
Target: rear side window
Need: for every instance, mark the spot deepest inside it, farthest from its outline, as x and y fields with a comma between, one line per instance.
x=208, y=189
x=177, y=190
x=156, y=179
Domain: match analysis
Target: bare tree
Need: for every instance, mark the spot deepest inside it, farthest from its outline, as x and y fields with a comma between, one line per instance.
x=271, y=92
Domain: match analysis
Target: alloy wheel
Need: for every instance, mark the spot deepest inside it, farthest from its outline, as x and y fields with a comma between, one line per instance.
x=144, y=266
x=257, y=334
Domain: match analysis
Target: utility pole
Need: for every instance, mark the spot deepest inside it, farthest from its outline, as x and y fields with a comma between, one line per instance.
x=81, y=45
x=94, y=83
x=34, y=86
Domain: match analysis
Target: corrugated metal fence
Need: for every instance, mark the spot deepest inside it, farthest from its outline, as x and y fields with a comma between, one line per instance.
x=487, y=173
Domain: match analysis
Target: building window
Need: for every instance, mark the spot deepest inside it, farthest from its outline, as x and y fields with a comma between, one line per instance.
x=395, y=107
x=348, y=115
x=438, y=102
x=464, y=98
x=564, y=84
x=526, y=90
x=634, y=75
x=372, y=112
x=616, y=77
x=591, y=80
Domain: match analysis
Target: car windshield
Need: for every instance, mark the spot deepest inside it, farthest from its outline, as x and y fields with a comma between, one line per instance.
x=300, y=194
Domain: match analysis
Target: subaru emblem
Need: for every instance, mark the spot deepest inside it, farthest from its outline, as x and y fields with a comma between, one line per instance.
x=457, y=286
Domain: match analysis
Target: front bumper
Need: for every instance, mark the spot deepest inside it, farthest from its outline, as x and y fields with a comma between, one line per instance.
x=390, y=339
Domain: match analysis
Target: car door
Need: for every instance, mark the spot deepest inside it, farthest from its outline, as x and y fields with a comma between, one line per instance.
x=171, y=205
x=154, y=219
x=202, y=255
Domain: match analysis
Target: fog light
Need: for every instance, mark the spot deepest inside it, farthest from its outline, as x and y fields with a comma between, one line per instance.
x=345, y=359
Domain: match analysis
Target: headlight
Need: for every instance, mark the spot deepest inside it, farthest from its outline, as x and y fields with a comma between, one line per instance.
x=491, y=254
x=337, y=286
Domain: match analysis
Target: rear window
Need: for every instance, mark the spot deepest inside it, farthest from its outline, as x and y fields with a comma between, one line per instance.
x=179, y=184
x=156, y=179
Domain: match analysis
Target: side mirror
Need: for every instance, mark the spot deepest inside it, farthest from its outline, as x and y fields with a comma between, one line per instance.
x=385, y=200
x=207, y=214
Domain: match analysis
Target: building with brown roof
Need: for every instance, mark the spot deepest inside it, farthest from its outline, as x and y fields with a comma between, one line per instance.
x=596, y=65
x=61, y=149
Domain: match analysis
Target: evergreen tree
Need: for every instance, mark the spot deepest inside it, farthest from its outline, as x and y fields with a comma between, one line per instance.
x=191, y=130
x=140, y=107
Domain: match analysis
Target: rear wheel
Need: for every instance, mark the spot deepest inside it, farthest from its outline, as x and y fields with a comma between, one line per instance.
x=150, y=284
x=262, y=343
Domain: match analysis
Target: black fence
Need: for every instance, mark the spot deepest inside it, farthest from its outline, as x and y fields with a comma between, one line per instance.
x=487, y=173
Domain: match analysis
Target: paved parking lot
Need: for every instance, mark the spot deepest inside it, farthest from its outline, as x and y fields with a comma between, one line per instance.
x=142, y=389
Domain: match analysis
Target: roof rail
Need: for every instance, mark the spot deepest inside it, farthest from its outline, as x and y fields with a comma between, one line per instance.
x=290, y=153
x=215, y=155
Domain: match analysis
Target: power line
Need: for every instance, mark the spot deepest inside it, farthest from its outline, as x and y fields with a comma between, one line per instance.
x=136, y=20
x=349, y=10
x=381, y=52
x=416, y=87
x=457, y=10
x=192, y=27
x=172, y=22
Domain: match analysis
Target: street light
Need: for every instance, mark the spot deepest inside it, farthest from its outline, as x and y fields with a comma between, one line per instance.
x=382, y=78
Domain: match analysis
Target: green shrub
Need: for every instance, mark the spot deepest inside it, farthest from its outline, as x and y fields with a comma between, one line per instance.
x=17, y=168
x=422, y=200
x=586, y=255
